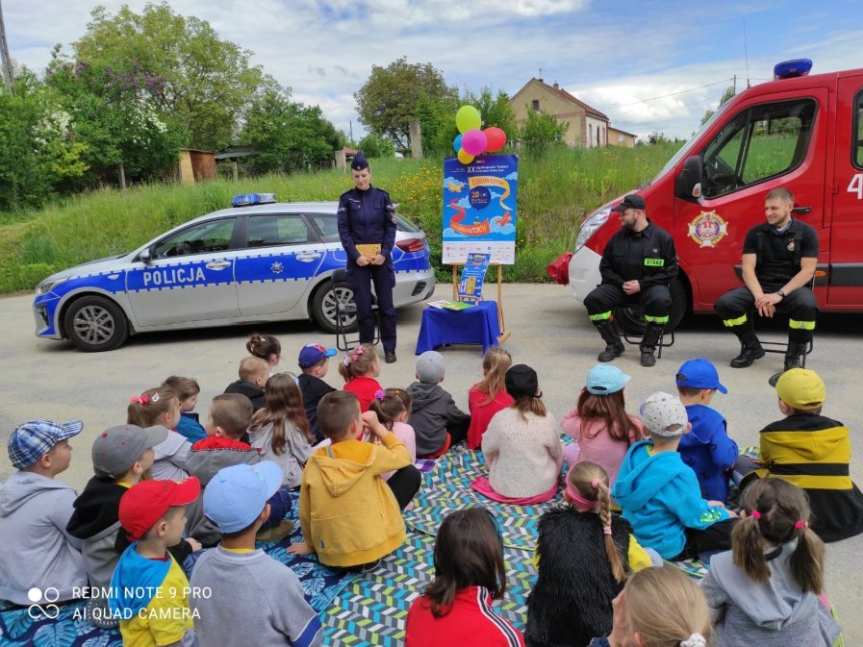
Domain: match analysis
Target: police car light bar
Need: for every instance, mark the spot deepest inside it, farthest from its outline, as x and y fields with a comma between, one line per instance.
x=793, y=68
x=249, y=199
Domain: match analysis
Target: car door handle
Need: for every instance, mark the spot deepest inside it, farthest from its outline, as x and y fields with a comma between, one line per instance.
x=308, y=256
x=802, y=211
x=218, y=265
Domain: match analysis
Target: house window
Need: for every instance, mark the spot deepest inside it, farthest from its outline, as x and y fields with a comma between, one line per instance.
x=535, y=105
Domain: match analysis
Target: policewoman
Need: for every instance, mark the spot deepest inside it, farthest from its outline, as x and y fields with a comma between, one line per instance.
x=367, y=229
x=637, y=267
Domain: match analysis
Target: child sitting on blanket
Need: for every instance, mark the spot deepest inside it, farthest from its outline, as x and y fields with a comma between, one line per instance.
x=314, y=362
x=244, y=581
x=438, y=422
x=765, y=590
x=659, y=493
x=470, y=574
x=488, y=396
x=659, y=607
x=360, y=368
x=707, y=449
x=350, y=516
x=390, y=408
x=599, y=425
x=161, y=407
x=582, y=542
x=253, y=374
x=522, y=445
x=187, y=390
x=280, y=430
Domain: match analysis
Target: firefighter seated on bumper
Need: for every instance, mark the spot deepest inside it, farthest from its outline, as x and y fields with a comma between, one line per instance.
x=779, y=261
x=637, y=267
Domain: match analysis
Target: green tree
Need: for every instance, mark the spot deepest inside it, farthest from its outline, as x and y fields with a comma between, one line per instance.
x=540, y=132
x=288, y=136
x=375, y=146
x=726, y=96
x=37, y=154
x=187, y=72
x=395, y=95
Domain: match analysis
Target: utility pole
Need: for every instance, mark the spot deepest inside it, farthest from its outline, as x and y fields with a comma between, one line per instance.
x=5, y=61
x=351, y=130
x=734, y=83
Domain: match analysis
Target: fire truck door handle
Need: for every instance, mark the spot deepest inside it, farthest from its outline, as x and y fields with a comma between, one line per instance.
x=802, y=211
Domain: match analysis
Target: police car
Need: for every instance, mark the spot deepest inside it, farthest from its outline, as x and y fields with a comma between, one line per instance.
x=259, y=261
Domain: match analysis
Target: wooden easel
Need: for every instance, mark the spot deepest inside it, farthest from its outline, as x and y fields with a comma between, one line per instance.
x=504, y=333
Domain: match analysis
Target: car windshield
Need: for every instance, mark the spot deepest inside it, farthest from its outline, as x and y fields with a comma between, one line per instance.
x=687, y=147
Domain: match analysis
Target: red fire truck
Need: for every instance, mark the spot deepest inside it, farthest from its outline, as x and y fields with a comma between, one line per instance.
x=800, y=131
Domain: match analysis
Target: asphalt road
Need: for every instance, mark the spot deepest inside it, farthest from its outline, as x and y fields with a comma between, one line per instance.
x=549, y=331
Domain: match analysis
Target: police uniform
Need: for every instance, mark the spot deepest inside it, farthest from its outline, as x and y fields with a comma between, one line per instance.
x=647, y=256
x=778, y=255
x=369, y=217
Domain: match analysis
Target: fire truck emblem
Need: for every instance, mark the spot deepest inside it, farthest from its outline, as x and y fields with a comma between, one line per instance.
x=708, y=229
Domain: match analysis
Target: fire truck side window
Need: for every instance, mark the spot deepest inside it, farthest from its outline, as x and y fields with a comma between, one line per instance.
x=760, y=143
x=858, y=131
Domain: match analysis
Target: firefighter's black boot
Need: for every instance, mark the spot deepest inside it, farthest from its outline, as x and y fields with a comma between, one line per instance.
x=613, y=344
x=793, y=359
x=750, y=347
x=652, y=335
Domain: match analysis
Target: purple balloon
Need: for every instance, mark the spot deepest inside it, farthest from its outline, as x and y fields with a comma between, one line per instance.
x=474, y=142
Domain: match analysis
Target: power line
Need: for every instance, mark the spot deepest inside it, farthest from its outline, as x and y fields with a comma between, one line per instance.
x=674, y=94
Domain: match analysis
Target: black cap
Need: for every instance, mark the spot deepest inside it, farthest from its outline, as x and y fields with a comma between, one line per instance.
x=359, y=162
x=521, y=381
x=632, y=201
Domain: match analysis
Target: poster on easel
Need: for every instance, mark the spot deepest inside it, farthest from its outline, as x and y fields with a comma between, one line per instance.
x=479, y=209
x=473, y=278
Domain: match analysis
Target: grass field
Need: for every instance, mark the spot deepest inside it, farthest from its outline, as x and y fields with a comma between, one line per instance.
x=555, y=192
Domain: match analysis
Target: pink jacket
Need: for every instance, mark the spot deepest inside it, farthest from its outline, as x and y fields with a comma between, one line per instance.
x=594, y=444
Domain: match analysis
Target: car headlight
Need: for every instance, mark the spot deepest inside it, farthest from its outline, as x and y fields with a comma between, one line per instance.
x=47, y=285
x=590, y=225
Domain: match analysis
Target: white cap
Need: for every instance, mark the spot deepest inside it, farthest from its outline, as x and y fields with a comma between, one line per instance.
x=664, y=415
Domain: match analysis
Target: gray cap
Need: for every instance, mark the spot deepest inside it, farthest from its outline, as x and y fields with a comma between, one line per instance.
x=430, y=367
x=116, y=449
x=664, y=415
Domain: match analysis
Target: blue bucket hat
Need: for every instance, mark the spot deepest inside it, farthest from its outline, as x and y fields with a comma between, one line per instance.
x=32, y=440
x=605, y=379
x=699, y=373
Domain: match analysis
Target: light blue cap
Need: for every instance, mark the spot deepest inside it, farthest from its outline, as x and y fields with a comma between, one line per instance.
x=605, y=379
x=236, y=495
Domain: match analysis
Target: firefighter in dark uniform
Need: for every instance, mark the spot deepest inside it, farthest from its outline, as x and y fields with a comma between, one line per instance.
x=367, y=216
x=779, y=261
x=637, y=267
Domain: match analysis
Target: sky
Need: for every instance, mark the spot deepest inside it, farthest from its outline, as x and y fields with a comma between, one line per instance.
x=650, y=65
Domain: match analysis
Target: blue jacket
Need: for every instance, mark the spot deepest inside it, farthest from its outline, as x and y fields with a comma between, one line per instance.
x=191, y=428
x=709, y=451
x=367, y=217
x=660, y=498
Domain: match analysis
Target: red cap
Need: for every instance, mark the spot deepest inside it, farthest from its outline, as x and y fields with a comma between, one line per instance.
x=148, y=501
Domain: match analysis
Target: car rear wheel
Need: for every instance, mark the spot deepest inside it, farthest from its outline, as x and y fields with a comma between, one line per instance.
x=631, y=322
x=325, y=303
x=95, y=324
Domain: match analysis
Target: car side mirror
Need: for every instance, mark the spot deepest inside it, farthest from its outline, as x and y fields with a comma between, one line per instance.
x=145, y=256
x=687, y=186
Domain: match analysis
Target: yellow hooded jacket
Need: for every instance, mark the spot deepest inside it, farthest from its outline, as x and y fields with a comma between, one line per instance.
x=348, y=512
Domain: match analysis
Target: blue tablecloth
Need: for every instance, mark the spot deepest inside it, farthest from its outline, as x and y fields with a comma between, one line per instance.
x=475, y=325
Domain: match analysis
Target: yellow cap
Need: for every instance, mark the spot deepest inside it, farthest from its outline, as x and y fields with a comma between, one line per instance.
x=801, y=388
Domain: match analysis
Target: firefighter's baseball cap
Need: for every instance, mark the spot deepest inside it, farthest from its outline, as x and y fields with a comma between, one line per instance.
x=632, y=201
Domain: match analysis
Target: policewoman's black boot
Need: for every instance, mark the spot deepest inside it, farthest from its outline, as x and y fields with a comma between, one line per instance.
x=751, y=349
x=614, y=346
x=652, y=335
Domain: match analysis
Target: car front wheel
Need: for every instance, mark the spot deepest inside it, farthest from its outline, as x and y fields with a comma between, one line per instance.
x=95, y=324
x=330, y=299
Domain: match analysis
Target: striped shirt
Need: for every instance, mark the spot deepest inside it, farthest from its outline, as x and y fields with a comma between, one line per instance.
x=470, y=621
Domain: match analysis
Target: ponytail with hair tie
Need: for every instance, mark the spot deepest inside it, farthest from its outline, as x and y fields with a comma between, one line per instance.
x=695, y=640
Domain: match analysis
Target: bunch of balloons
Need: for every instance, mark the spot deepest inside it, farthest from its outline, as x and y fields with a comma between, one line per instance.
x=474, y=140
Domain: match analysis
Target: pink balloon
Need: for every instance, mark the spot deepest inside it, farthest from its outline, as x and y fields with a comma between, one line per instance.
x=474, y=142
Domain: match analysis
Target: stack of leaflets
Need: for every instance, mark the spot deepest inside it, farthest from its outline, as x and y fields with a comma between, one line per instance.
x=443, y=304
